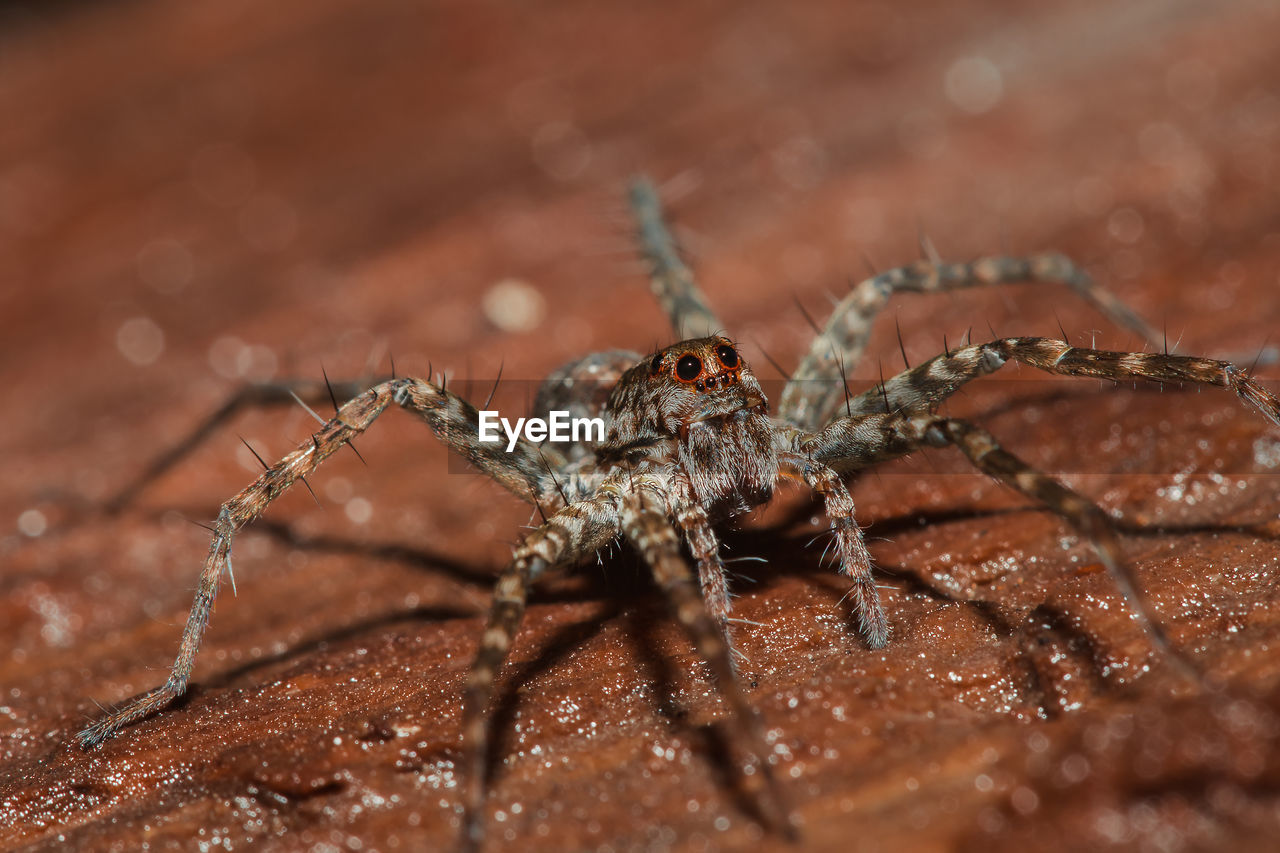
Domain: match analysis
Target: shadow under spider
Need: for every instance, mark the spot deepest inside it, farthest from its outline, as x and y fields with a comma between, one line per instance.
x=781, y=553
x=641, y=621
x=779, y=545
x=1028, y=629
x=347, y=632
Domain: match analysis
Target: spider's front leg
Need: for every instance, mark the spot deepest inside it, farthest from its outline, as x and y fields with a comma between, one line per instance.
x=524, y=472
x=257, y=395
x=926, y=386
x=896, y=418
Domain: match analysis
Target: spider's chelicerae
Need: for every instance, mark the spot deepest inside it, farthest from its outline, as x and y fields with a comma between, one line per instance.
x=691, y=440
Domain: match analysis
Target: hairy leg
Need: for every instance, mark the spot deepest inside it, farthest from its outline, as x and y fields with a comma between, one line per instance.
x=855, y=560
x=451, y=418
x=854, y=439
x=924, y=387
x=644, y=522
x=672, y=281
x=247, y=397
x=986, y=454
x=816, y=389
x=705, y=547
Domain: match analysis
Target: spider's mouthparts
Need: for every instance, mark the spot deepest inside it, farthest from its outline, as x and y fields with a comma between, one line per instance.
x=750, y=403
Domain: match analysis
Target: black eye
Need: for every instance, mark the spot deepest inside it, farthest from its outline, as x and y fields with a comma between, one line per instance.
x=728, y=356
x=656, y=364
x=689, y=367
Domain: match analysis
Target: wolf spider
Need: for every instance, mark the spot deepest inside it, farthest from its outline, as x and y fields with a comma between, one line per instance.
x=691, y=441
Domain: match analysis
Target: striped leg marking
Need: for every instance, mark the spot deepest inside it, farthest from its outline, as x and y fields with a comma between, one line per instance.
x=816, y=388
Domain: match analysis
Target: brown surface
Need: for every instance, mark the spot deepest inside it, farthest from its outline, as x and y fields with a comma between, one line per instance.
x=349, y=178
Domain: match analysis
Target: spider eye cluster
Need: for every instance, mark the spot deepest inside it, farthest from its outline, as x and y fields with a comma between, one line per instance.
x=706, y=368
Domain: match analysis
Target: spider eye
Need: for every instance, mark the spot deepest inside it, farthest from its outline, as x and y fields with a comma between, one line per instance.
x=689, y=367
x=656, y=364
x=728, y=356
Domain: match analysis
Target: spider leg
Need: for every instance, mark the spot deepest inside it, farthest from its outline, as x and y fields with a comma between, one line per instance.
x=925, y=386
x=986, y=454
x=855, y=442
x=815, y=391
x=576, y=531
x=247, y=397
x=672, y=281
x=873, y=434
x=453, y=420
x=855, y=560
x=644, y=522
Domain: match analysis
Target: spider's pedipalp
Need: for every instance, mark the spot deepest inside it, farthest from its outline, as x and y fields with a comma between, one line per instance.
x=705, y=548
x=812, y=395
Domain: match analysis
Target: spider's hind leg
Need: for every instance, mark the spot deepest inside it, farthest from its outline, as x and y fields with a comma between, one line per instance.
x=581, y=388
x=986, y=454
x=672, y=281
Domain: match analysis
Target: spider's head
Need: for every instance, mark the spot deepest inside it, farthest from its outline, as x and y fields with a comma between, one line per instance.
x=698, y=403
x=703, y=382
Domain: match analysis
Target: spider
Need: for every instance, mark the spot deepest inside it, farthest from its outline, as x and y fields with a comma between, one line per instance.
x=690, y=441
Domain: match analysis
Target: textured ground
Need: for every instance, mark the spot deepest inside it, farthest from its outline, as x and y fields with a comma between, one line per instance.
x=195, y=195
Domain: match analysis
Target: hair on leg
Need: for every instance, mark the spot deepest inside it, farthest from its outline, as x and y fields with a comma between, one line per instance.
x=855, y=559
x=925, y=386
x=672, y=281
x=247, y=397
x=814, y=392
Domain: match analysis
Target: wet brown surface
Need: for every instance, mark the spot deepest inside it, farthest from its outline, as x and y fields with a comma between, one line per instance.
x=275, y=187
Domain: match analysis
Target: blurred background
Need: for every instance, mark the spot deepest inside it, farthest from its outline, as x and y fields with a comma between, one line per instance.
x=196, y=196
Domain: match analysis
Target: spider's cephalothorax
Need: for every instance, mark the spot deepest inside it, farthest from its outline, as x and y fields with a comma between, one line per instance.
x=690, y=439
x=697, y=405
